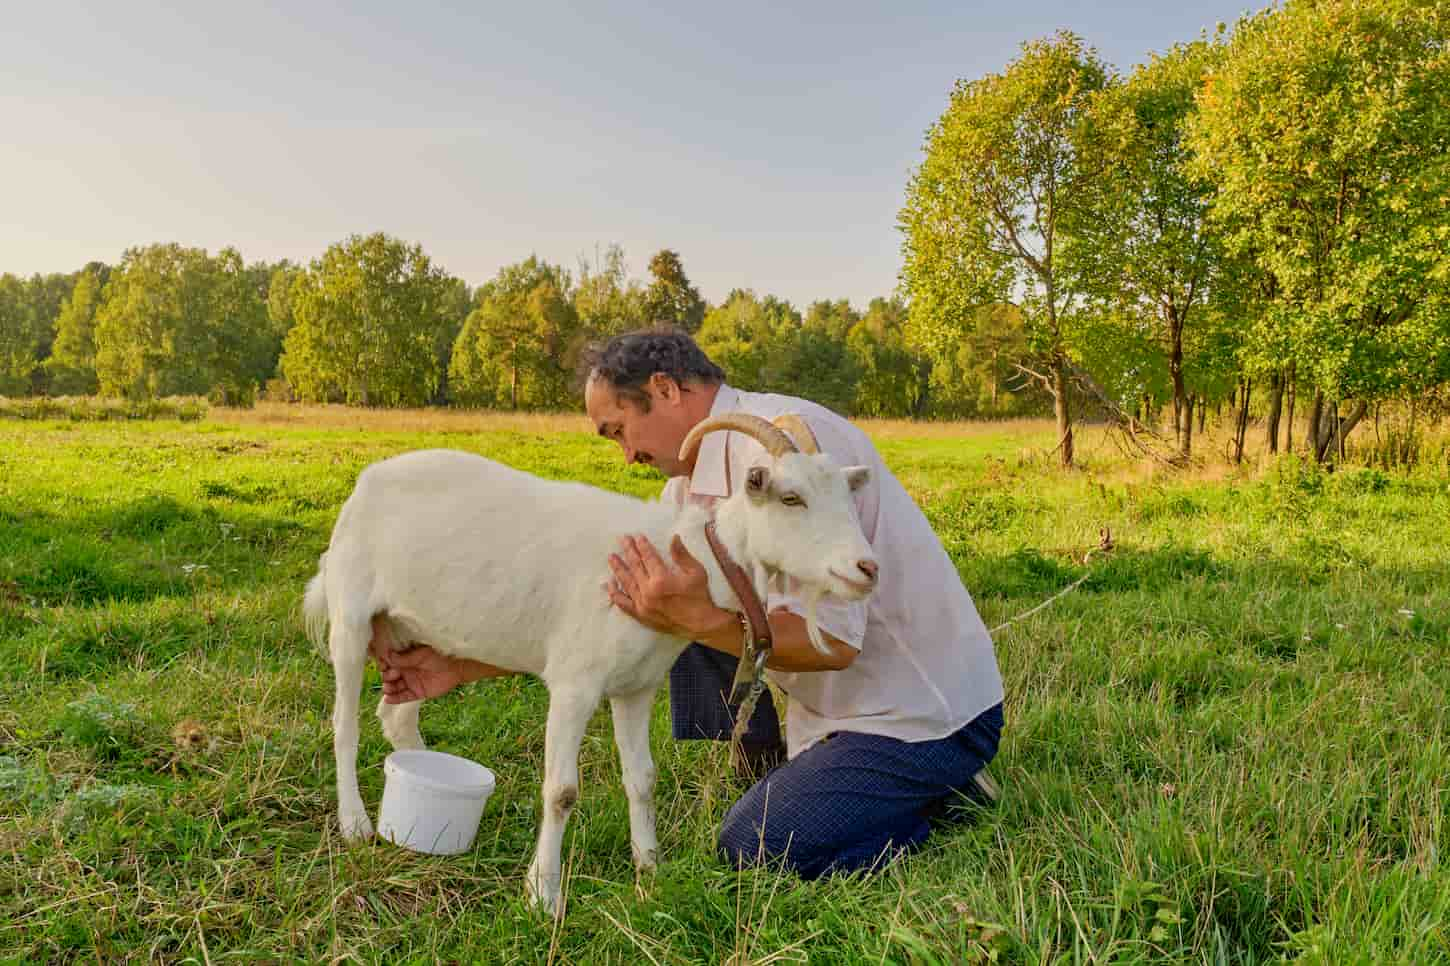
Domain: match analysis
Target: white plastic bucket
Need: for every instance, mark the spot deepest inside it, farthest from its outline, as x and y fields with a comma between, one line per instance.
x=432, y=801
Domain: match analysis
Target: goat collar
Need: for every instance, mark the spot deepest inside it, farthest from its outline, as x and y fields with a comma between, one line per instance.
x=757, y=627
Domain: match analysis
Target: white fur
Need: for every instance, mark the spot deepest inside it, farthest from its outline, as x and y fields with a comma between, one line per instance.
x=483, y=561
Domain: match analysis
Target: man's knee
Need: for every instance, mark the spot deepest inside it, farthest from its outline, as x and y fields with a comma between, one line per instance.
x=747, y=838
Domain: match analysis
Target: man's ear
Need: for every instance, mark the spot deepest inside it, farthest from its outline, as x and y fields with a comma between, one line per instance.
x=757, y=484
x=664, y=387
x=856, y=476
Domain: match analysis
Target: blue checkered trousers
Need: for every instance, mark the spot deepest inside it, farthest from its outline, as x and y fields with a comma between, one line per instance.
x=846, y=803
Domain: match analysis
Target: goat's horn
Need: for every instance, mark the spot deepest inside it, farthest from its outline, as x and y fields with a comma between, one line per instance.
x=775, y=441
x=799, y=431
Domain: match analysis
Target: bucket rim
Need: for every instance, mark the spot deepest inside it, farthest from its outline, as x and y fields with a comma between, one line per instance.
x=397, y=764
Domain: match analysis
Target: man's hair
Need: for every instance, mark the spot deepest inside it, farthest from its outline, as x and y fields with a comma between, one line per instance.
x=628, y=361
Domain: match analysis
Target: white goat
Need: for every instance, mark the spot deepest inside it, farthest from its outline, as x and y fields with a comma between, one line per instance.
x=482, y=561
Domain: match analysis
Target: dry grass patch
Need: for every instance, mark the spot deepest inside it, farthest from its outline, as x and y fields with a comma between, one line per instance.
x=426, y=420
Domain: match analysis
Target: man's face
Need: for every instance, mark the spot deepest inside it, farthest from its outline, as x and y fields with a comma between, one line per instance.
x=653, y=437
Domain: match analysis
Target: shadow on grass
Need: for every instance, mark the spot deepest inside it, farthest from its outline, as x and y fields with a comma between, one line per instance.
x=149, y=548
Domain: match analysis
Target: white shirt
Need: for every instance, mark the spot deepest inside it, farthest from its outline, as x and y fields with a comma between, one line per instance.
x=926, y=666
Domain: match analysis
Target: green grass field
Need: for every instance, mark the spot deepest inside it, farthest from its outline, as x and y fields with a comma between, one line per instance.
x=1228, y=745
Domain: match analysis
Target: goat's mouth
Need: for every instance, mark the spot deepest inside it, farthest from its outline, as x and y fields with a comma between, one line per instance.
x=859, y=588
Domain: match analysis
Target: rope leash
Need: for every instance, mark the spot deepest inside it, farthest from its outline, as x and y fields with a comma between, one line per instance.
x=1105, y=544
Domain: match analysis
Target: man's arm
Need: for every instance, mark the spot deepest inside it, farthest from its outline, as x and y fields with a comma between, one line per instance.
x=677, y=601
x=421, y=672
x=793, y=650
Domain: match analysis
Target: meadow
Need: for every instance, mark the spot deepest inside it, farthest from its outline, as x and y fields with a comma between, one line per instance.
x=1228, y=745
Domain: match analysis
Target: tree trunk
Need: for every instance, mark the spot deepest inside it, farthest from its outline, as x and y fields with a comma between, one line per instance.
x=1343, y=426
x=1202, y=412
x=1311, y=430
x=1060, y=408
x=1289, y=423
x=1182, y=404
x=1243, y=423
x=1276, y=403
x=1185, y=438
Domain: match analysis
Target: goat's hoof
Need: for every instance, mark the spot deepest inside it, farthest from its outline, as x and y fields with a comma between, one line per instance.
x=356, y=827
x=644, y=861
x=544, y=896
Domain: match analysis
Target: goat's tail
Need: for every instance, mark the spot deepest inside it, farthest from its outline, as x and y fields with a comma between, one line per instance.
x=314, y=608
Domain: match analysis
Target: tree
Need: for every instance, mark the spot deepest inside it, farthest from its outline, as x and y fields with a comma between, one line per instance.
x=19, y=337
x=72, y=362
x=670, y=298
x=457, y=304
x=1004, y=171
x=176, y=320
x=519, y=347
x=977, y=373
x=369, y=315
x=1143, y=250
x=815, y=361
x=606, y=299
x=1325, y=132
x=749, y=337
x=891, y=379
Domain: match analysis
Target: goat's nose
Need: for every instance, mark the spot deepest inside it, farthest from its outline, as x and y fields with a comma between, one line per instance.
x=869, y=568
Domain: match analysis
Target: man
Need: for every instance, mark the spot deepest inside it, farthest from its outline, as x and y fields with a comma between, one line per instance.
x=901, y=716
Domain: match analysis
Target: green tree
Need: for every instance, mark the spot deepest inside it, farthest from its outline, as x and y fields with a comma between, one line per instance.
x=369, y=315
x=606, y=299
x=670, y=298
x=46, y=294
x=73, y=357
x=457, y=304
x=176, y=320
x=1325, y=133
x=1004, y=172
x=979, y=372
x=814, y=361
x=518, y=349
x=20, y=337
x=891, y=379
x=749, y=336
x=1143, y=250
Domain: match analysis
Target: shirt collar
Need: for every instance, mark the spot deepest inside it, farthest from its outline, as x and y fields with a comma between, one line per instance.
x=711, y=476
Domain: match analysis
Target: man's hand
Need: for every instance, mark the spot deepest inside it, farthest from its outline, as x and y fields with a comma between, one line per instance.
x=417, y=673
x=673, y=600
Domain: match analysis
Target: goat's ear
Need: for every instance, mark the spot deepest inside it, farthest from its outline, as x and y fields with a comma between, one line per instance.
x=856, y=476
x=757, y=483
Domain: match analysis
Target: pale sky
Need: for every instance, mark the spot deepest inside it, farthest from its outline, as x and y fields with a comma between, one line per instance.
x=769, y=144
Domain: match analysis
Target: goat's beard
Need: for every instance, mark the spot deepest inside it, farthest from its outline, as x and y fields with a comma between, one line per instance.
x=813, y=597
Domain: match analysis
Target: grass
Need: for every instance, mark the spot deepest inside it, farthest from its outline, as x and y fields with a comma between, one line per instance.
x=1228, y=745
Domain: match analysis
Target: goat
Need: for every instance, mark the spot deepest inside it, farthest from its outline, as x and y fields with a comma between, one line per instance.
x=483, y=561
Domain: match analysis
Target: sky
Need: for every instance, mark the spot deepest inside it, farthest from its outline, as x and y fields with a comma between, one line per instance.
x=770, y=144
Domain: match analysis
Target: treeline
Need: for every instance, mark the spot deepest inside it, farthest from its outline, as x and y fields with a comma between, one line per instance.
x=375, y=322
x=1256, y=222
x=1259, y=218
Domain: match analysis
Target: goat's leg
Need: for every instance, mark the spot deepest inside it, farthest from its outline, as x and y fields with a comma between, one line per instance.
x=400, y=721
x=569, y=713
x=631, y=736
x=400, y=724
x=348, y=644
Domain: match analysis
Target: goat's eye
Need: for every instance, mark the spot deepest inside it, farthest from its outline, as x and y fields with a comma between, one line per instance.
x=791, y=499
